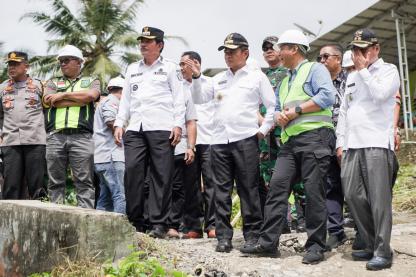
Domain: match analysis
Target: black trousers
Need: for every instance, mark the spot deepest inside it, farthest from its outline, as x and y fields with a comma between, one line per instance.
x=24, y=165
x=334, y=199
x=204, y=168
x=308, y=155
x=153, y=149
x=237, y=161
x=186, y=196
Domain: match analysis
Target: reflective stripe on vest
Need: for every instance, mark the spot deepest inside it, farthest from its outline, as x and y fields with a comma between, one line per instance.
x=69, y=117
x=295, y=96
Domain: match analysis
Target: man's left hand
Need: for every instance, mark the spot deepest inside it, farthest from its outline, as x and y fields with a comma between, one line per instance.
x=291, y=114
x=56, y=98
x=189, y=156
x=175, y=135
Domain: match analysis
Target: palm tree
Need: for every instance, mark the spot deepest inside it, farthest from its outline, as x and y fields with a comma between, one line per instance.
x=3, y=67
x=102, y=29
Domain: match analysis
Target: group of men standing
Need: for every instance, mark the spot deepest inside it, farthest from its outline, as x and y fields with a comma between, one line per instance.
x=171, y=124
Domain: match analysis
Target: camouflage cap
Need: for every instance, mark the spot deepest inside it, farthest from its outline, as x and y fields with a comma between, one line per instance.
x=271, y=39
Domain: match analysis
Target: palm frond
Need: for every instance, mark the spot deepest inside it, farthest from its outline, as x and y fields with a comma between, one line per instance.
x=181, y=39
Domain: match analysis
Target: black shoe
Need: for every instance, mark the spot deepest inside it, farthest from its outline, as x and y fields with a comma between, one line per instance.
x=313, y=257
x=224, y=245
x=259, y=250
x=362, y=256
x=249, y=243
x=334, y=241
x=157, y=232
x=358, y=243
x=301, y=228
x=379, y=263
x=286, y=229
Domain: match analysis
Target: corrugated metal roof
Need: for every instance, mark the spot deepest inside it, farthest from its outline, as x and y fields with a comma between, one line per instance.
x=379, y=18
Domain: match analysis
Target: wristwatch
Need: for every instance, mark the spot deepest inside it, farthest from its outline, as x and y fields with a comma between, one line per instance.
x=298, y=110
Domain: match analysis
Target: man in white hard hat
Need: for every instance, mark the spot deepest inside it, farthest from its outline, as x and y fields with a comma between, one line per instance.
x=69, y=99
x=304, y=99
x=108, y=156
x=236, y=93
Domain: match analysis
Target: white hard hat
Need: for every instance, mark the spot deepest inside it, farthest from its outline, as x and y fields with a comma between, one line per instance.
x=292, y=37
x=347, y=59
x=116, y=82
x=70, y=50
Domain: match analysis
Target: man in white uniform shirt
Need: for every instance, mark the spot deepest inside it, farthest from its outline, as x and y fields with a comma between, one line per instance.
x=202, y=162
x=237, y=94
x=365, y=141
x=152, y=107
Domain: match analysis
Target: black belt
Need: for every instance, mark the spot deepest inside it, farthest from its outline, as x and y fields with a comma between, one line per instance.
x=71, y=131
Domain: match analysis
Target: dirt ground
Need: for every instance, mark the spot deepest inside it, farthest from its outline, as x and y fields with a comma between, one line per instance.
x=198, y=258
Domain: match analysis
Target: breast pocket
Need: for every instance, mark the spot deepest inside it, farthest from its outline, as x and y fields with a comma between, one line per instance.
x=135, y=84
x=33, y=99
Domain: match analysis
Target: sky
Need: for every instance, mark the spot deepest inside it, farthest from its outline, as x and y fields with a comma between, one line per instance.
x=203, y=24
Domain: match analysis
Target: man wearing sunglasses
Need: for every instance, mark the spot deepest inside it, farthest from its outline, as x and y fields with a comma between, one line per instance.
x=365, y=141
x=236, y=93
x=22, y=132
x=304, y=99
x=69, y=101
x=331, y=55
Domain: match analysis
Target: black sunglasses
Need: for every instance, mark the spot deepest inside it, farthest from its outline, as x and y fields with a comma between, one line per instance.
x=267, y=48
x=66, y=60
x=324, y=57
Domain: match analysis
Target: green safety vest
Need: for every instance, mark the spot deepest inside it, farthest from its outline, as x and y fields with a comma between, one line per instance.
x=71, y=117
x=295, y=96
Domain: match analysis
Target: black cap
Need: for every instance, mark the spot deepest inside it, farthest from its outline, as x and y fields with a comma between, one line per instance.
x=17, y=56
x=151, y=33
x=364, y=38
x=271, y=39
x=233, y=41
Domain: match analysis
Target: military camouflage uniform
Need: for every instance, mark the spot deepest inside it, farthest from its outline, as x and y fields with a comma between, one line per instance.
x=268, y=154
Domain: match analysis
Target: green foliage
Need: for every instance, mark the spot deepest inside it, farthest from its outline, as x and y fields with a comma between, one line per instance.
x=102, y=29
x=404, y=192
x=137, y=264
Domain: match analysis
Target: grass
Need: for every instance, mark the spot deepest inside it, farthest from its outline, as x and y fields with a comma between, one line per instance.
x=404, y=191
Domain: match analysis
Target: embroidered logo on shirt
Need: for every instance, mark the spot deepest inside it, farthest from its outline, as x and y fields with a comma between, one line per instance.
x=219, y=96
x=135, y=87
x=161, y=72
x=85, y=83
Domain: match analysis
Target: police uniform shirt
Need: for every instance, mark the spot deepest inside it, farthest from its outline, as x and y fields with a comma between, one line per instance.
x=21, y=113
x=106, y=149
x=205, y=113
x=366, y=114
x=236, y=101
x=152, y=97
x=190, y=114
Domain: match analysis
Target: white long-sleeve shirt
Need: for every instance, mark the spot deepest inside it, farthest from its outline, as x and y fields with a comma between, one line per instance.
x=366, y=113
x=205, y=113
x=152, y=97
x=236, y=102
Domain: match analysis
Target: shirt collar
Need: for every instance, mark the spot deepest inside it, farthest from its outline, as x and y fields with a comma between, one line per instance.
x=245, y=69
x=294, y=71
x=158, y=60
x=376, y=64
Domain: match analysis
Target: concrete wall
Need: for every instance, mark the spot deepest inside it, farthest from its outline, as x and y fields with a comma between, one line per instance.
x=35, y=236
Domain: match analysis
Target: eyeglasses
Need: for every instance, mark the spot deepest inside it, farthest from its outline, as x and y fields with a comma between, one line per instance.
x=324, y=57
x=267, y=48
x=66, y=60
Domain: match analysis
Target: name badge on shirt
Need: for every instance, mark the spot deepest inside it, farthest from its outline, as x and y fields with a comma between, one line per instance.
x=350, y=85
